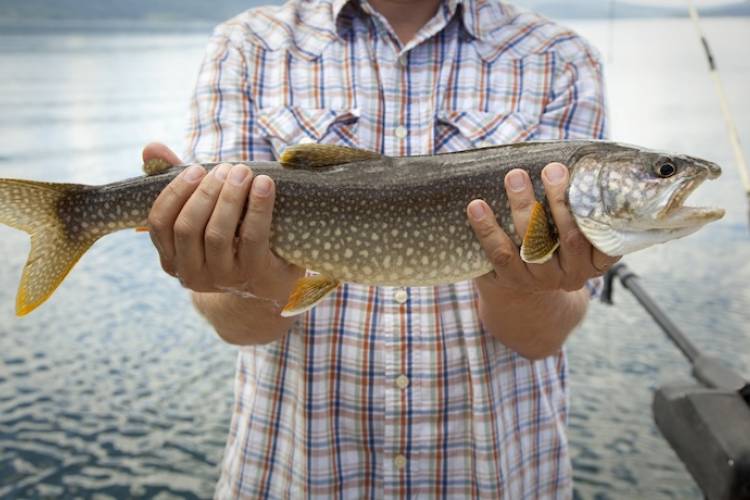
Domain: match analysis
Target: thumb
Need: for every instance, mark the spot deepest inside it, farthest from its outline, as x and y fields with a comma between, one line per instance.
x=499, y=248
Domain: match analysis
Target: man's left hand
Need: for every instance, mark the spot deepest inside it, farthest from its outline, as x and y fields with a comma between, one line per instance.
x=576, y=260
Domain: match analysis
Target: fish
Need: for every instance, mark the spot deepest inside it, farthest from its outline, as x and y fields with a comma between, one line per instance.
x=352, y=215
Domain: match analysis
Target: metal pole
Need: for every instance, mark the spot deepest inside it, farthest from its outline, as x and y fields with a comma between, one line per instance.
x=712, y=372
x=630, y=281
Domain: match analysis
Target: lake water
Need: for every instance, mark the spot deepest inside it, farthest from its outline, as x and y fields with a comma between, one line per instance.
x=116, y=386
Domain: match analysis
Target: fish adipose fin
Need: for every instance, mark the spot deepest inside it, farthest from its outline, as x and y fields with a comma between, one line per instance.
x=323, y=155
x=156, y=166
x=540, y=241
x=307, y=293
x=33, y=207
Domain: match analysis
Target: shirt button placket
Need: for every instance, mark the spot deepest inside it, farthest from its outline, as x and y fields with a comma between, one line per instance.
x=400, y=132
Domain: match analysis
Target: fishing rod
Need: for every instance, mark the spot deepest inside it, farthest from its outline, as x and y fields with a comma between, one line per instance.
x=734, y=137
x=707, y=425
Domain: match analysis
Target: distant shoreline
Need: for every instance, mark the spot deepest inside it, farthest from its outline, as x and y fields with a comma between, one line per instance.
x=27, y=26
x=31, y=26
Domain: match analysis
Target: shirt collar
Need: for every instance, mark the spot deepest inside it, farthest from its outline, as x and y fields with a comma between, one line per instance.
x=479, y=17
x=325, y=20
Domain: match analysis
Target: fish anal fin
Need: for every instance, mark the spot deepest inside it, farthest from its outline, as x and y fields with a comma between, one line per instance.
x=307, y=293
x=323, y=155
x=156, y=166
x=540, y=240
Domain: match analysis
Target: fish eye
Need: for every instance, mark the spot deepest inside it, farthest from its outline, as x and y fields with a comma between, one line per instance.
x=666, y=169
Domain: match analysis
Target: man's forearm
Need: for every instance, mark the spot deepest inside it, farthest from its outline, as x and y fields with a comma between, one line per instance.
x=534, y=325
x=242, y=321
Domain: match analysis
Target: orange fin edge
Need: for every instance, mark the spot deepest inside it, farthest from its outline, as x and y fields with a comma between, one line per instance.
x=540, y=241
x=308, y=291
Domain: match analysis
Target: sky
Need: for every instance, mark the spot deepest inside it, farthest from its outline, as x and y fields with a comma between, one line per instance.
x=679, y=3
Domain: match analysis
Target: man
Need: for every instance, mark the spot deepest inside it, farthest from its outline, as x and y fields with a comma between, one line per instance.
x=451, y=391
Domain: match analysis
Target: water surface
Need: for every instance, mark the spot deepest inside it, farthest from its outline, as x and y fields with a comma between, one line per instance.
x=116, y=386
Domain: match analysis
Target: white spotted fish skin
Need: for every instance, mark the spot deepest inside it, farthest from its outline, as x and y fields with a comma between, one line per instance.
x=377, y=221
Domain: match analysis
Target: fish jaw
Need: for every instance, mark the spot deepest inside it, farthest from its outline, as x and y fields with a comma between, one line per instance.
x=658, y=220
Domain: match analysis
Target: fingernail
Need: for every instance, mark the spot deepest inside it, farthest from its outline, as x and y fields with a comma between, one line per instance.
x=221, y=171
x=516, y=181
x=555, y=173
x=238, y=174
x=477, y=211
x=262, y=185
x=193, y=173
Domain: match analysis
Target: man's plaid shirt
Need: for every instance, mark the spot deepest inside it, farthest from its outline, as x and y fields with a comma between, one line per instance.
x=382, y=392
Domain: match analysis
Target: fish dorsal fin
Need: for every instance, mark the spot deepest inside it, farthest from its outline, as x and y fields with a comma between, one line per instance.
x=323, y=155
x=156, y=166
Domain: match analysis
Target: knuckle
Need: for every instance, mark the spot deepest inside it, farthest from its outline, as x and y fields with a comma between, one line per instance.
x=500, y=256
x=168, y=266
x=183, y=228
x=522, y=203
x=259, y=206
x=176, y=189
x=485, y=228
x=156, y=222
x=571, y=285
x=206, y=189
x=251, y=239
x=576, y=241
x=215, y=238
x=557, y=197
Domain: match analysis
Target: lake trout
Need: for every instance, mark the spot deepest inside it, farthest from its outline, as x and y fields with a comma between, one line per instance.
x=358, y=216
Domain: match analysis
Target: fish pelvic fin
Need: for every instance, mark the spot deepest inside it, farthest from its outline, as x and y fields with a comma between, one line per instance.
x=307, y=293
x=323, y=155
x=33, y=207
x=540, y=240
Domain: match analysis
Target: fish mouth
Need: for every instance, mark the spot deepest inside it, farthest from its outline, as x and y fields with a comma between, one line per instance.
x=676, y=215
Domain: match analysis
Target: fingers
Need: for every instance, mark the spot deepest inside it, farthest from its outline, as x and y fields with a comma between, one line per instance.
x=575, y=250
x=222, y=226
x=601, y=261
x=256, y=227
x=521, y=196
x=579, y=260
x=522, y=200
x=497, y=245
x=190, y=226
x=165, y=211
x=157, y=150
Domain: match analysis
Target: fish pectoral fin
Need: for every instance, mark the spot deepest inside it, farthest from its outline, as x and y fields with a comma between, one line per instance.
x=540, y=240
x=156, y=166
x=307, y=293
x=323, y=155
x=142, y=229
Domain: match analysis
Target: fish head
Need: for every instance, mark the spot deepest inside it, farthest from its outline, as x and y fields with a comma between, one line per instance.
x=625, y=198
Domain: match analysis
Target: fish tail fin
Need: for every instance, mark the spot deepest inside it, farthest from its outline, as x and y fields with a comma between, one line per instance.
x=56, y=244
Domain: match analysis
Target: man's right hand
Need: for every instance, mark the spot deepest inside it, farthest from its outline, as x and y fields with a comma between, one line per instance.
x=194, y=226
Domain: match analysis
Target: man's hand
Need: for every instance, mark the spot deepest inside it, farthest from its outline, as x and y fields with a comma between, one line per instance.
x=194, y=226
x=533, y=307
